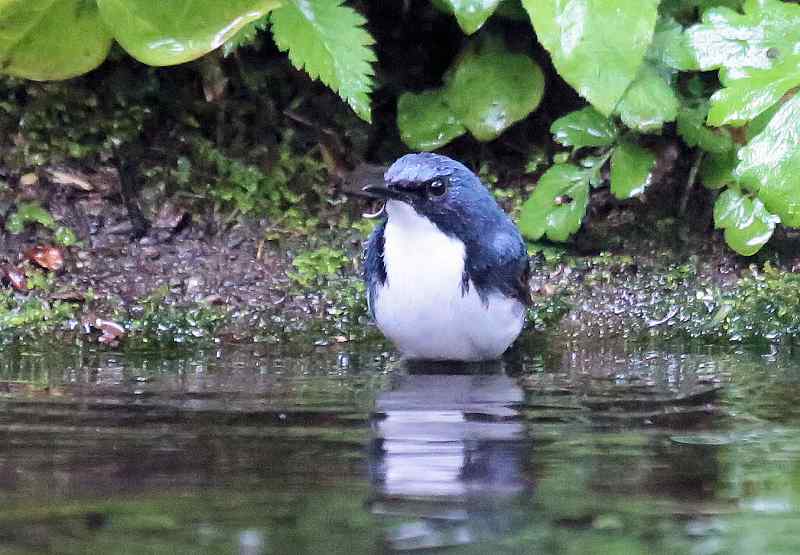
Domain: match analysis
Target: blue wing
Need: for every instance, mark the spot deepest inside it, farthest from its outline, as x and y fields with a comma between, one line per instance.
x=374, y=268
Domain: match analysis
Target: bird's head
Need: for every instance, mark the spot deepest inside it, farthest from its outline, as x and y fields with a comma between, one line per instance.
x=440, y=189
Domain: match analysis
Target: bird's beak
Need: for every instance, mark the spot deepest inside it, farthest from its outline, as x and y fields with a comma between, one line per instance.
x=383, y=192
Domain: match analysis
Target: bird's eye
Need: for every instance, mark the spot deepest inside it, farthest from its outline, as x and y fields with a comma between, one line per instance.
x=437, y=188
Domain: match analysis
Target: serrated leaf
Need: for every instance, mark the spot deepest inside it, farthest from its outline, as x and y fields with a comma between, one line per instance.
x=557, y=205
x=51, y=39
x=649, y=102
x=631, y=170
x=755, y=53
x=584, y=127
x=425, y=121
x=694, y=132
x=246, y=36
x=747, y=223
x=770, y=164
x=328, y=40
x=491, y=88
x=160, y=33
x=597, y=46
x=471, y=14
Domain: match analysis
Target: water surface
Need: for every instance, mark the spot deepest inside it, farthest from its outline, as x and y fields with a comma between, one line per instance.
x=564, y=448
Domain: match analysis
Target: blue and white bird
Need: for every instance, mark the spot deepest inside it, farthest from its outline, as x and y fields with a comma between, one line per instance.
x=446, y=270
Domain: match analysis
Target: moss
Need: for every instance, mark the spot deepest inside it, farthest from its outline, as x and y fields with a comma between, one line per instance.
x=70, y=120
x=547, y=311
x=313, y=267
x=151, y=320
x=764, y=305
x=31, y=313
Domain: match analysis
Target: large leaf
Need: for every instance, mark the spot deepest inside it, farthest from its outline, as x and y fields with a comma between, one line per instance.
x=747, y=223
x=770, y=164
x=329, y=41
x=51, y=39
x=597, y=46
x=471, y=14
x=649, y=102
x=558, y=204
x=584, y=127
x=756, y=53
x=631, y=170
x=491, y=88
x=425, y=121
x=162, y=33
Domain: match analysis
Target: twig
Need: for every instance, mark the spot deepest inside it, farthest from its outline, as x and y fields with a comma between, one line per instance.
x=698, y=158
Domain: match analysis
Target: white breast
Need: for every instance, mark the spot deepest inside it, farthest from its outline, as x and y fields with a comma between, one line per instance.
x=421, y=307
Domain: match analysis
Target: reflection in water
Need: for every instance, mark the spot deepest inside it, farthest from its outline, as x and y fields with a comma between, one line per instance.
x=639, y=448
x=448, y=456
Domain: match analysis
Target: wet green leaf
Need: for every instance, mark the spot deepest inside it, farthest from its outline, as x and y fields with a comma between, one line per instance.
x=761, y=121
x=471, y=14
x=755, y=53
x=246, y=36
x=26, y=213
x=492, y=88
x=64, y=236
x=747, y=223
x=328, y=40
x=770, y=164
x=716, y=170
x=649, y=102
x=670, y=46
x=584, y=127
x=558, y=204
x=162, y=33
x=425, y=121
x=631, y=170
x=597, y=46
x=694, y=132
x=46, y=39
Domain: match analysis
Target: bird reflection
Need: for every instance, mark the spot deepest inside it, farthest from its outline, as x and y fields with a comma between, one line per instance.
x=448, y=455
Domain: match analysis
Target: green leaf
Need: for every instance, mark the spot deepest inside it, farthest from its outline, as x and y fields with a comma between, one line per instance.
x=491, y=88
x=649, y=102
x=584, y=127
x=471, y=14
x=631, y=170
x=162, y=33
x=28, y=212
x=770, y=164
x=756, y=54
x=329, y=41
x=716, y=170
x=597, y=46
x=246, y=35
x=51, y=39
x=558, y=204
x=425, y=121
x=670, y=46
x=692, y=129
x=64, y=236
x=747, y=223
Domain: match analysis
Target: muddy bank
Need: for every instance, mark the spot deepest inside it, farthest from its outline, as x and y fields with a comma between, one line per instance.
x=139, y=214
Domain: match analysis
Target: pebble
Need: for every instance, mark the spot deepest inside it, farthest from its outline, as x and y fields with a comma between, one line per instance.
x=151, y=252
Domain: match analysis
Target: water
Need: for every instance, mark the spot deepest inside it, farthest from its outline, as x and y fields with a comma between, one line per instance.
x=564, y=448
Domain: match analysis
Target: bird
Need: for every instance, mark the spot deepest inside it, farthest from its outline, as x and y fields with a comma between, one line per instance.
x=446, y=270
